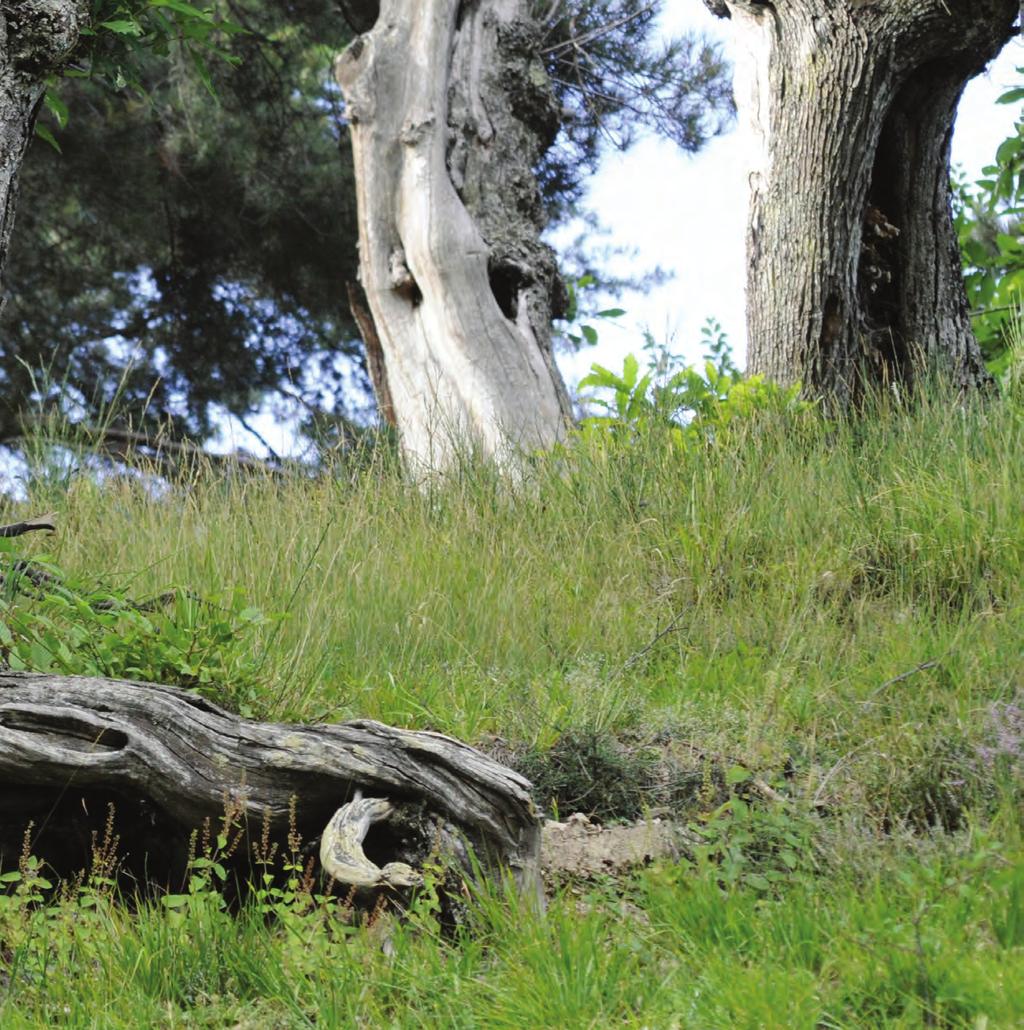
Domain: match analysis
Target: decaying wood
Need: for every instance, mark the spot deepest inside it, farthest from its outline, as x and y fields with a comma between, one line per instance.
x=341, y=847
x=168, y=455
x=159, y=453
x=374, y=352
x=176, y=760
x=449, y=110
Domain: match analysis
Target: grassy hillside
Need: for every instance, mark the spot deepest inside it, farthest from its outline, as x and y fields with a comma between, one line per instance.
x=835, y=609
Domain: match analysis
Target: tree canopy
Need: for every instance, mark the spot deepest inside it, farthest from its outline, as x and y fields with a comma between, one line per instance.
x=186, y=250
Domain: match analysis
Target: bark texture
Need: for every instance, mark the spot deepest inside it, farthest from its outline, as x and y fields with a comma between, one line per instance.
x=853, y=269
x=450, y=108
x=172, y=760
x=36, y=37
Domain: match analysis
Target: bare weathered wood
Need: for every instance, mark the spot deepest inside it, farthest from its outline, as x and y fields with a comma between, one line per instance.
x=375, y=363
x=341, y=847
x=449, y=109
x=853, y=268
x=189, y=758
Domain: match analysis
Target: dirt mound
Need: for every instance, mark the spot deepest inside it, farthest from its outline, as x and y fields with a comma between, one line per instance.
x=579, y=848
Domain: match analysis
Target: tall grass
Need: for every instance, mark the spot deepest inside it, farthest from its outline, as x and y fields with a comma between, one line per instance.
x=800, y=573
x=837, y=606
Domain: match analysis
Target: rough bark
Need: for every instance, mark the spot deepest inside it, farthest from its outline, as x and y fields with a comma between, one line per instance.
x=36, y=36
x=171, y=760
x=449, y=109
x=853, y=270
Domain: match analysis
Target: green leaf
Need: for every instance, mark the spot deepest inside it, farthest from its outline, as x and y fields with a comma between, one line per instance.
x=203, y=72
x=638, y=398
x=123, y=27
x=736, y=774
x=183, y=8
x=1009, y=149
x=601, y=376
x=630, y=371
x=56, y=107
x=44, y=133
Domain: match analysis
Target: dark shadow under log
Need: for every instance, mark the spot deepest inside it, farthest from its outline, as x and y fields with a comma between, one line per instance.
x=168, y=761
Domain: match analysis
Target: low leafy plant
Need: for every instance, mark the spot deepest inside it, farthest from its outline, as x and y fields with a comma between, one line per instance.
x=693, y=404
x=989, y=219
x=755, y=846
x=51, y=624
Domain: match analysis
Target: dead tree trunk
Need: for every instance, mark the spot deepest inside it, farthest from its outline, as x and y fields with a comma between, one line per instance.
x=853, y=269
x=450, y=108
x=172, y=760
x=35, y=38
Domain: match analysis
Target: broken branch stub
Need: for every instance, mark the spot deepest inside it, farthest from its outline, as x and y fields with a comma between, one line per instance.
x=341, y=848
x=175, y=760
x=29, y=525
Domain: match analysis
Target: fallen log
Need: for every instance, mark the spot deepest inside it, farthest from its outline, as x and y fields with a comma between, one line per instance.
x=385, y=800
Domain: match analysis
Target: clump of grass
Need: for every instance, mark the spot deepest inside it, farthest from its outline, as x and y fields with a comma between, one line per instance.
x=592, y=772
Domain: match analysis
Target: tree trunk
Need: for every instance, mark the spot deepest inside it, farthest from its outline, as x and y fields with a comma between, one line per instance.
x=450, y=108
x=169, y=760
x=35, y=38
x=853, y=270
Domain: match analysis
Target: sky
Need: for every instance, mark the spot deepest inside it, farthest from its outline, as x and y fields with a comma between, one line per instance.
x=688, y=214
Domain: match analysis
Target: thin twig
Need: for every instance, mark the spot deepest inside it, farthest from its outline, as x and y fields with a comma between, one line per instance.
x=978, y=312
x=252, y=431
x=596, y=33
x=843, y=759
x=930, y=664
x=647, y=648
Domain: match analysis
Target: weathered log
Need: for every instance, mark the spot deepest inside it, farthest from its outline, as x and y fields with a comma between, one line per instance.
x=176, y=760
